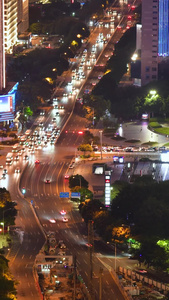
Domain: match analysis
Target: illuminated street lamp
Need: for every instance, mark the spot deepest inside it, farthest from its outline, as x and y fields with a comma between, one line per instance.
x=2, y=223
x=153, y=92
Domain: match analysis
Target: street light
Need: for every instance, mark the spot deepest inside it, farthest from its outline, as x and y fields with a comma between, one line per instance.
x=3, y=218
x=101, y=138
x=2, y=227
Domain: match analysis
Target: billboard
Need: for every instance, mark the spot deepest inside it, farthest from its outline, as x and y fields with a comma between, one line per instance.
x=6, y=103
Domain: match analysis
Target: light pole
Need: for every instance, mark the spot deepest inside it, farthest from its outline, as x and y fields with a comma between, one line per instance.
x=93, y=116
x=101, y=139
x=3, y=218
x=115, y=256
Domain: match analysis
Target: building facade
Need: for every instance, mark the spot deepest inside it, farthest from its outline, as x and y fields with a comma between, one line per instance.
x=23, y=15
x=10, y=24
x=163, y=33
x=149, y=44
x=2, y=49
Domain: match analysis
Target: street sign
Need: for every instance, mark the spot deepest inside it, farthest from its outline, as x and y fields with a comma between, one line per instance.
x=64, y=195
x=75, y=195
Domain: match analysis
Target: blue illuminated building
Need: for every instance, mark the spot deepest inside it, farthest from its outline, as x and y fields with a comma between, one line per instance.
x=163, y=34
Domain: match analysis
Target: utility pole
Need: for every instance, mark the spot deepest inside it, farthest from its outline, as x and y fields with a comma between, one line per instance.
x=74, y=276
x=91, y=251
x=101, y=142
x=100, y=283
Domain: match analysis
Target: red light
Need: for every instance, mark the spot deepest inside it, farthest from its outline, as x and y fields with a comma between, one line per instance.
x=133, y=7
x=129, y=17
x=107, y=180
x=80, y=132
x=66, y=131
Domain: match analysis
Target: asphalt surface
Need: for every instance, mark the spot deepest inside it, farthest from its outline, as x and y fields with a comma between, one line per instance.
x=54, y=163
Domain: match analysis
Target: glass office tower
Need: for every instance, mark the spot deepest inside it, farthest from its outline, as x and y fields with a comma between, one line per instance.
x=163, y=32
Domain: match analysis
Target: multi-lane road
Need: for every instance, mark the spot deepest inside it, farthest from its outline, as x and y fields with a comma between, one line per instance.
x=54, y=163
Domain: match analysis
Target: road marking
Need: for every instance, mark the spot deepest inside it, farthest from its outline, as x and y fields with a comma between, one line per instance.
x=112, y=291
x=22, y=256
x=30, y=256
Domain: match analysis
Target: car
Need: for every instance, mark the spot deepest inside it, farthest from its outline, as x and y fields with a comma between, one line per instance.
x=42, y=113
x=62, y=246
x=142, y=271
x=65, y=95
x=66, y=176
x=1, y=166
x=61, y=107
x=65, y=220
x=54, y=119
x=3, y=176
x=26, y=157
x=47, y=181
x=88, y=245
x=63, y=212
x=5, y=171
x=71, y=166
x=57, y=113
x=37, y=161
x=16, y=157
x=61, y=253
x=53, y=221
x=17, y=170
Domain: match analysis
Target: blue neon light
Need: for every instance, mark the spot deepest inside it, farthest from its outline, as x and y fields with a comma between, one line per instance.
x=163, y=34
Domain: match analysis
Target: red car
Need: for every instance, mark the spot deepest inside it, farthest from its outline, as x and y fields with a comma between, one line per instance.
x=66, y=176
x=37, y=161
x=63, y=212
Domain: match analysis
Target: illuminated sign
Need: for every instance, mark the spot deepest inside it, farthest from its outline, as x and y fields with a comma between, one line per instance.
x=144, y=116
x=165, y=157
x=6, y=103
x=107, y=187
x=121, y=159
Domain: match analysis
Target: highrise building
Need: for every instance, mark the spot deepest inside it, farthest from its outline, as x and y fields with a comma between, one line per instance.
x=23, y=15
x=2, y=49
x=163, y=32
x=8, y=38
x=10, y=24
x=149, y=44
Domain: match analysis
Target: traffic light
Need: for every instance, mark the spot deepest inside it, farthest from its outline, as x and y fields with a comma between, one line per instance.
x=23, y=190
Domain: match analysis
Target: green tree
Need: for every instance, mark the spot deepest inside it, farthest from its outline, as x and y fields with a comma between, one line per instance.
x=89, y=208
x=4, y=197
x=27, y=111
x=78, y=180
x=85, y=148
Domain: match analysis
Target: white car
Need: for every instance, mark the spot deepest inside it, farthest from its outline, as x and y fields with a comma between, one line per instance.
x=17, y=170
x=65, y=220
